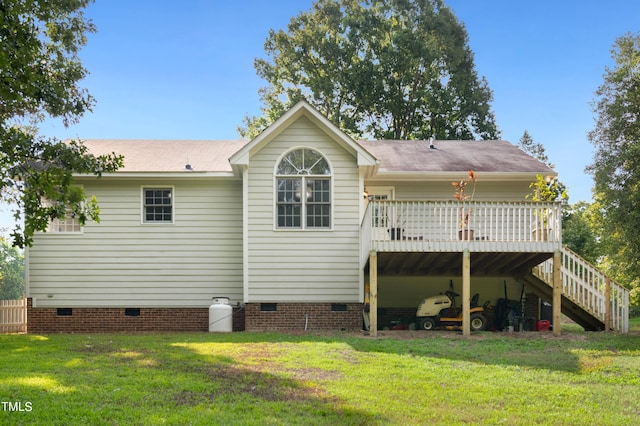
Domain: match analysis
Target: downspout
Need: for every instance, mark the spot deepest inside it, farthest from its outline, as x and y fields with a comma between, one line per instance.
x=245, y=234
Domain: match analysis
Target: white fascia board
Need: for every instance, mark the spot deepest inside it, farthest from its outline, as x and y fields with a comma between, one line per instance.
x=302, y=108
x=366, y=159
x=363, y=157
x=241, y=157
x=370, y=172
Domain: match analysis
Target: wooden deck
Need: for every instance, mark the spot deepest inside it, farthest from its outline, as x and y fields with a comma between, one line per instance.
x=490, y=238
x=452, y=227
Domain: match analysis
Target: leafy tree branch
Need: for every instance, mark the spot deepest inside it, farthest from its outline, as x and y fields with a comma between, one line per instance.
x=40, y=72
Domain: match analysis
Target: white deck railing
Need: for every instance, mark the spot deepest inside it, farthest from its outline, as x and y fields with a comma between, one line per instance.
x=448, y=225
x=511, y=226
x=365, y=237
x=585, y=286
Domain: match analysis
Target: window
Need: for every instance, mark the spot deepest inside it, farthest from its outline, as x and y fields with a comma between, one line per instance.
x=67, y=225
x=380, y=214
x=157, y=205
x=303, y=186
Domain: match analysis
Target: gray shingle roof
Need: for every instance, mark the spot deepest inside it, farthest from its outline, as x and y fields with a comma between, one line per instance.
x=169, y=155
x=450, y=156
x=394, y=156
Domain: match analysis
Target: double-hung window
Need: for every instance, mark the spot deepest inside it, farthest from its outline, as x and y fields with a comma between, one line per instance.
x=157, y=205
x=69, y=224
x=303, y=190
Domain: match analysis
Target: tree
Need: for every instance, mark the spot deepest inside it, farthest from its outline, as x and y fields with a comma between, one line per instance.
x=545, y=188
x=534, y=149
x=616, y=163
x=39, y=75
x=11, y=272
x=390, y=69
x=580, y=231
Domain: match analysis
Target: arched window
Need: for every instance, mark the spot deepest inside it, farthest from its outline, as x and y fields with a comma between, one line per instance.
x=303, y=182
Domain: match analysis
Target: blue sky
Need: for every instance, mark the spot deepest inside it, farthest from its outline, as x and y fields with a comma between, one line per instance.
x=184, y=70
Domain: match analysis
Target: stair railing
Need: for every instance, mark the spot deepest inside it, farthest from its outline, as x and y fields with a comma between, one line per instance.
x=587, y=287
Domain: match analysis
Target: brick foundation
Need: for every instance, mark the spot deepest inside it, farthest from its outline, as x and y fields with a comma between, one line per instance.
x=298, y=316
x=104, y=320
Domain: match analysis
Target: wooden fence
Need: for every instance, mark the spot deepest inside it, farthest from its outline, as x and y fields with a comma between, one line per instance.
x=13, y=316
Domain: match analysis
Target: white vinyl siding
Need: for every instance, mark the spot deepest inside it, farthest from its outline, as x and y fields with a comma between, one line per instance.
x=298, y=265
x=444, y=190
x=124, y=263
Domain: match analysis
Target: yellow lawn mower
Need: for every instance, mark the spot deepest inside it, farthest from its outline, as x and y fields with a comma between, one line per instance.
x=441, y=312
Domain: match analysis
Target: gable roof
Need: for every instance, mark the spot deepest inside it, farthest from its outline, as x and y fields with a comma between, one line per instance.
x=396, y=159
x=417, y=157
x=167, y=156
x=303, y=109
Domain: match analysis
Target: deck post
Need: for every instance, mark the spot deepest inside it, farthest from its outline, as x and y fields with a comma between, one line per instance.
x=607, y=304
x=466, y=293
x=557, y=293
x=373, y=293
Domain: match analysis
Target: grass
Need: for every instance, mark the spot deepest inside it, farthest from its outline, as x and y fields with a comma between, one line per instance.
x=318, y=379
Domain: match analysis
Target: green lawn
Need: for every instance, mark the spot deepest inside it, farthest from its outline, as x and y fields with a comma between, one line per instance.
x=305, y=379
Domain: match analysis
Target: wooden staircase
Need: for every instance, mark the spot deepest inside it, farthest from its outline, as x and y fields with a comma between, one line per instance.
x=589, y=297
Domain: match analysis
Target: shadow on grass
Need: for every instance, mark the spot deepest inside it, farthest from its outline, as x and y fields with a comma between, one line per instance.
x=121, y=379
x=271, y=378
x=532, y=350
x=529, y=350
x=266, y=387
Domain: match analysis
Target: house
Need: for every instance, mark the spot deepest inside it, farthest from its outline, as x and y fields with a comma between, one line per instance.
x=304, y=228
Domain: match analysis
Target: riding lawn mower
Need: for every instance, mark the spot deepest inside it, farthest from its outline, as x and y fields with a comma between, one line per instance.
x=441, y=311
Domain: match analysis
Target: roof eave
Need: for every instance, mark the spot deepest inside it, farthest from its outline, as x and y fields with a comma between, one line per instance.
x=529, y=176
x=162, y=175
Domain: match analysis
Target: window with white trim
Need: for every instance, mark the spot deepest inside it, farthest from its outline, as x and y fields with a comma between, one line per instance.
x=303, y=190
x=157, y=205
x=69, y=224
